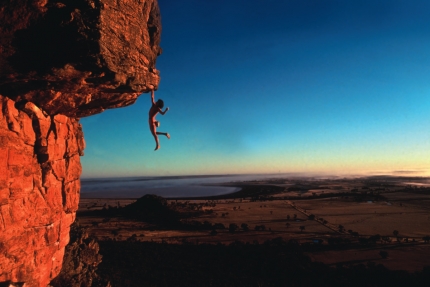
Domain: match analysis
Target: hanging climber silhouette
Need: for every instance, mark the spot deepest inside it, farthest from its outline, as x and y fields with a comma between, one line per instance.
x=153, y=124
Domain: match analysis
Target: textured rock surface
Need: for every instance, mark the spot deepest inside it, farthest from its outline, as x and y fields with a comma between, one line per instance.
x=80, y=262
x=39, y=191
x=78, y=57
x=60, y=60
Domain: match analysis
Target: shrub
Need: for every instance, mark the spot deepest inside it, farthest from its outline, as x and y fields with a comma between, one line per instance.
x=232, y=227
x=383, y=254
x=218, y=226
x=260, y=227
x=244, y=226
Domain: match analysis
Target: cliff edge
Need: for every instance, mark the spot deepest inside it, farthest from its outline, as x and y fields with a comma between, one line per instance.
x=59, y=61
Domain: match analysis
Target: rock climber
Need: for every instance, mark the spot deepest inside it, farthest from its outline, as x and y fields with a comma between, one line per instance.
x=153, y=124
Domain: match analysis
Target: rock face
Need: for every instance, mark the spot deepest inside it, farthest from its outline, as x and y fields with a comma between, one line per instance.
x=78, y=57
x=60, y=60
x=39, y=191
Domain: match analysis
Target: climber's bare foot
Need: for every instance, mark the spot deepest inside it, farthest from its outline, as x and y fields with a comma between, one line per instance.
x=168, y=136
x=157, y=147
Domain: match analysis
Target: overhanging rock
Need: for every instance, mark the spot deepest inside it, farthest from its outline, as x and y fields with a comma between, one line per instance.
x=78, y=57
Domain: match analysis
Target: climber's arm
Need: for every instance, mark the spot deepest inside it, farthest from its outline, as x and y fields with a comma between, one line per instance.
x=165, y=111
x=152, y=97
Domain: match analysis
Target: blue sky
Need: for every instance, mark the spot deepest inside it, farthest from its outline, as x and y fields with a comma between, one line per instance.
x=338, y=87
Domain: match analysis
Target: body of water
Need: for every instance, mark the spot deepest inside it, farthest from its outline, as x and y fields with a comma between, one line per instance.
x=170, y=187
x=192, y=186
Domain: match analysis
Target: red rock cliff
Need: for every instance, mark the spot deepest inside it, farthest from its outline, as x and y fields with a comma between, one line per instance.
x=78, y=57
x=60, y=60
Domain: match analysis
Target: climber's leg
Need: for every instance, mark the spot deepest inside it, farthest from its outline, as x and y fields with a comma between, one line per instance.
x=164, y=134
x=153, y=129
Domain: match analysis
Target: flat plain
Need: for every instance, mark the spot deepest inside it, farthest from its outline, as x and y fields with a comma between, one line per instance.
x=385, y=220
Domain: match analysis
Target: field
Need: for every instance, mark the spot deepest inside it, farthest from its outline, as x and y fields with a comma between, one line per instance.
x=336, y=221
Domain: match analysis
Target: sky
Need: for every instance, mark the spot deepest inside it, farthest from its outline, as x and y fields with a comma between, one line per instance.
x=308, y=86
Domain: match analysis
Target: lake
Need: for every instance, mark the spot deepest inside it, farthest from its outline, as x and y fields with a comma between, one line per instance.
x=169, y=187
